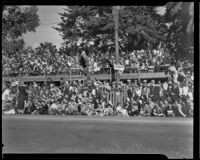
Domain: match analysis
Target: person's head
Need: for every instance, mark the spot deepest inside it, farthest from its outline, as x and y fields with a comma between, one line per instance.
x=169, y=79
x=128, y=81
x=83, y=54
x=113, y=85
x=169, y=99
x=161, y=102
x=21, y=82
x=118, y=104
x=175, y=85
x=34, y=84
x=52, y=85
x=144, y=82
x=135, y=81
x=61, y=79
x=150, y=100
x=152, y=82
x=170, y=87
x=7, y=84
x=43, y=102
x=190, y=103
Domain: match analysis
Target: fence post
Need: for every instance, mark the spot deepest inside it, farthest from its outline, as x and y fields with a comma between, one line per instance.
x=110, y=75
x=139, y=73
x=20, y=75
x=70, y=75
x=45, y=79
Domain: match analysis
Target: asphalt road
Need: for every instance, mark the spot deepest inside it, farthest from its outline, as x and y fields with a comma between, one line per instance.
x=172, y=137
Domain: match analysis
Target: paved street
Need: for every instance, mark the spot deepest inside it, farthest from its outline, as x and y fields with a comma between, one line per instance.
x=81, y=134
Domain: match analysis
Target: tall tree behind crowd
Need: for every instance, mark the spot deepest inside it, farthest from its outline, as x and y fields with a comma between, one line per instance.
x=92, y=28
x=16, y=21
x=179, y=35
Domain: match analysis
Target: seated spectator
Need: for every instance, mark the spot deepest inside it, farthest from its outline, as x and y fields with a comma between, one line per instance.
x=7, y=98
x=178, y=110
x=108, y=110
x=148, y=106
x=121, y=111
x=191, y=109
x=133, y=108
x=169, y=111
x=29, y=107
x=42, y=108
x=156, y=111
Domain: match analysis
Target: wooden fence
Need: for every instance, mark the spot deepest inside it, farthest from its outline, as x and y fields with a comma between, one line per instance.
x=116, y=97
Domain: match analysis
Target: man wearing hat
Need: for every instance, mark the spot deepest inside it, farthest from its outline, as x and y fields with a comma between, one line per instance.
x=175, y=92
x=22, y=96
x=135, y=85
x=155, y=92
x=129, y=92
x=145, y=90
x=84, y=61
x=62, y=82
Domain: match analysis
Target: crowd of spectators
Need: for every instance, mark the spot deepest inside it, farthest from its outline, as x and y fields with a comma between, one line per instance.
x=90, y=97
x=32, y=63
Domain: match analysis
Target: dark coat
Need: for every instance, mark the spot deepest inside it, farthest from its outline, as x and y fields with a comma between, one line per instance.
x=130, y=93
x=22, y=96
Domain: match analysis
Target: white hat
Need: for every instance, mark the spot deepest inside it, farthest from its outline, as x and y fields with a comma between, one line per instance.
x=17, y=83
x=13, y=84
x=83, y=53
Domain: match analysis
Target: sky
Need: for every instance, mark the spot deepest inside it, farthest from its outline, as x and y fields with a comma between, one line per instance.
x=45, y=32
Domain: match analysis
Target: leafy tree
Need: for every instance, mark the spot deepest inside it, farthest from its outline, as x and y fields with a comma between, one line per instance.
x=16, y=21
x=178, y=33
x=186, y=10
x=13, y=46
x=138, y=26
x=46, y=49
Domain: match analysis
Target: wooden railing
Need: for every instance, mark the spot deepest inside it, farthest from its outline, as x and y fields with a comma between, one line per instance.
x=137, y=74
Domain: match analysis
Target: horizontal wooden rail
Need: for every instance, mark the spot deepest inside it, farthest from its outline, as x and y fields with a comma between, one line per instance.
x=123, y=76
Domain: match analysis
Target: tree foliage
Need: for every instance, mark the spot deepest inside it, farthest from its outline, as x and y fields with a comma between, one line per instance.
x=16, y=21
x=178, y=33
x=46, y=49
x=138, y=26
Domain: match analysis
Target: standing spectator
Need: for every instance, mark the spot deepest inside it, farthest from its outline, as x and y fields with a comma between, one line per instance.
x=176, y=92
x=6, y=98
x=22, y=97
x=145, y=91
x=135, y=84
x=84, y=61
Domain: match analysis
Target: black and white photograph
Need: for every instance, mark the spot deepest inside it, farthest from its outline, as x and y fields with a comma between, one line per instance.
x=98, y=79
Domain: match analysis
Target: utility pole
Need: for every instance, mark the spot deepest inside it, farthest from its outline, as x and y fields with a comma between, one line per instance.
x=116, y=21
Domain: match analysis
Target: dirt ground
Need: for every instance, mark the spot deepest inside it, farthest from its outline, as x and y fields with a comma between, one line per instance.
x=172, y=137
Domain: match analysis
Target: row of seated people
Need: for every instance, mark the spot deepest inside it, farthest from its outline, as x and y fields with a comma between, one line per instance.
x=90, y=98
